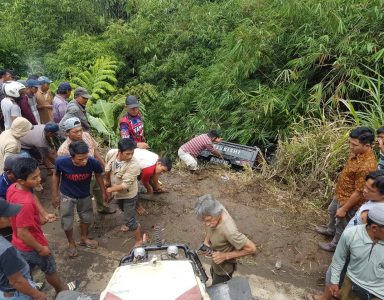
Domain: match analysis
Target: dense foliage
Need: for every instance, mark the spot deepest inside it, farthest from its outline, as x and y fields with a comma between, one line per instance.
x=254, y=68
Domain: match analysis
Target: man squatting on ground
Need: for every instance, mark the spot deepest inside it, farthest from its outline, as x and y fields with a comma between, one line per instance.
x=349, y=187
x=121, y=174
x=226, y=243
x=15, y=275
x=73, y=175
x=374, y=193
x=151, y=166
x=191, y=149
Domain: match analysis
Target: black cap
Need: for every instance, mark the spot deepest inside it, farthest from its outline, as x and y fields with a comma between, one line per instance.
x=8, y=210
x=132, y=102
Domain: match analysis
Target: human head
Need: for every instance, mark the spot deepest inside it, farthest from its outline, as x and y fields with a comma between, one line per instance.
x=79, y=153
x=64, y=89
x=126, y=149
x=375, y=222
x=26, y=172
x=13, y=89
x=209, y=210
x=380, y=133
x=81, y=95
x=51, y=129
x=164, y=164
x=32, y=86
x=361, y=139
x=214, y=136
x=9, y=162
x=374, y=186
x=132, y=105
x=6, y=75
x=7, y=210
x=44, y=83
x=73, y=129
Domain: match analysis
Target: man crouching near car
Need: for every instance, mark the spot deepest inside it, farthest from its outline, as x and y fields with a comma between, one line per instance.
x=223, y=242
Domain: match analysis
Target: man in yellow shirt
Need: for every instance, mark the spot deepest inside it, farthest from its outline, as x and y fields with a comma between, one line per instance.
x=44, y=100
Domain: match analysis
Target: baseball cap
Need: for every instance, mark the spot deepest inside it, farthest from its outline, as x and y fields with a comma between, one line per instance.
x=44, y=79
x=33, y=83
x=82, y=92
x=64, y=87
x=132, y=102
x=8, y=210
x=51, y=127
x=376, y=214
x=71, y=123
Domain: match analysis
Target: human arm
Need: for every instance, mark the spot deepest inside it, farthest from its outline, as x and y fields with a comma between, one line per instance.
x=353, y=200
x=99, y=157
x=217, y=153
x=249, y=248
x=22, y=285
x=55, y=189
x=100, y=181
x=44, y=215
x=341, y=254
x=146, y=175
x=25, y=235
x=12, y=265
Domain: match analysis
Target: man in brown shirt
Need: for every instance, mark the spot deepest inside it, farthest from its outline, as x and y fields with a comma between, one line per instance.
x=349, y=187
x=223, y=241
x=44, y=100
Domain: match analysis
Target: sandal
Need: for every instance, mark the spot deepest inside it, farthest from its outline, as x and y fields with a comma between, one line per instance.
x=73, y=285
x=72, y=252
x=90, y=245
x=124, y=228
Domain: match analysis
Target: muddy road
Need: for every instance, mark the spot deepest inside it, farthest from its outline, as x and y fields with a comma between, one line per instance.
x=279, y=224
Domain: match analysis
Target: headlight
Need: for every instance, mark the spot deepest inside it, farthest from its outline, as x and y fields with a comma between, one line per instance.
x=172, y=251
x=139, y=253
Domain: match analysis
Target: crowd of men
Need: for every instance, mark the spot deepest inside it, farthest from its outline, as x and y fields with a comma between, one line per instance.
x=42, y=131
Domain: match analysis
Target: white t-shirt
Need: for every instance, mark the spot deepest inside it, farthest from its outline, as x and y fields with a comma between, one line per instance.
x=10, y=109
x=145, y=157
x=356, y=220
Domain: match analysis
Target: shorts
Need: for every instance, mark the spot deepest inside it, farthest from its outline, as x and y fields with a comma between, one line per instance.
x=67, y=206
x=46, y=264
x=188, y=159
x=128, y=206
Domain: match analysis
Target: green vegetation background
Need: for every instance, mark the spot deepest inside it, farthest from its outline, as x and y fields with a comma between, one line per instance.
x=288, y=74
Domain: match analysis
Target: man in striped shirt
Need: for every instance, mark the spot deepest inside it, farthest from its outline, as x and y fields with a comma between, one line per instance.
x=191, y=149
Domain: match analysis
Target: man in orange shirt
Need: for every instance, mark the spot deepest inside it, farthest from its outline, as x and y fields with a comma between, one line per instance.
x=348, y=195
x=44, y=100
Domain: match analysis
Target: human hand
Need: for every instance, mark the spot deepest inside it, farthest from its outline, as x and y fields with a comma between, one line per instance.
x=51, y=218
x=142, y=145
x=341, y=212
x=160, y=190
x=219, y=257
x=44, y=251
x=55, y=201
x=333, y=290
x=40, y=295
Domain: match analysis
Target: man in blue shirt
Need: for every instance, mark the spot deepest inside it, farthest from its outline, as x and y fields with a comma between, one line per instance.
x=15, y=278
x=73, y=176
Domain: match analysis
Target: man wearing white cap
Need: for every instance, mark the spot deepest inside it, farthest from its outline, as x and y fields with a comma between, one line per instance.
x=364, y=245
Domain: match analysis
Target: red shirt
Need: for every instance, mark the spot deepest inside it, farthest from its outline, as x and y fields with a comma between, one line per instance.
x=147, y=173
x=198, y=144
x=28, y=216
